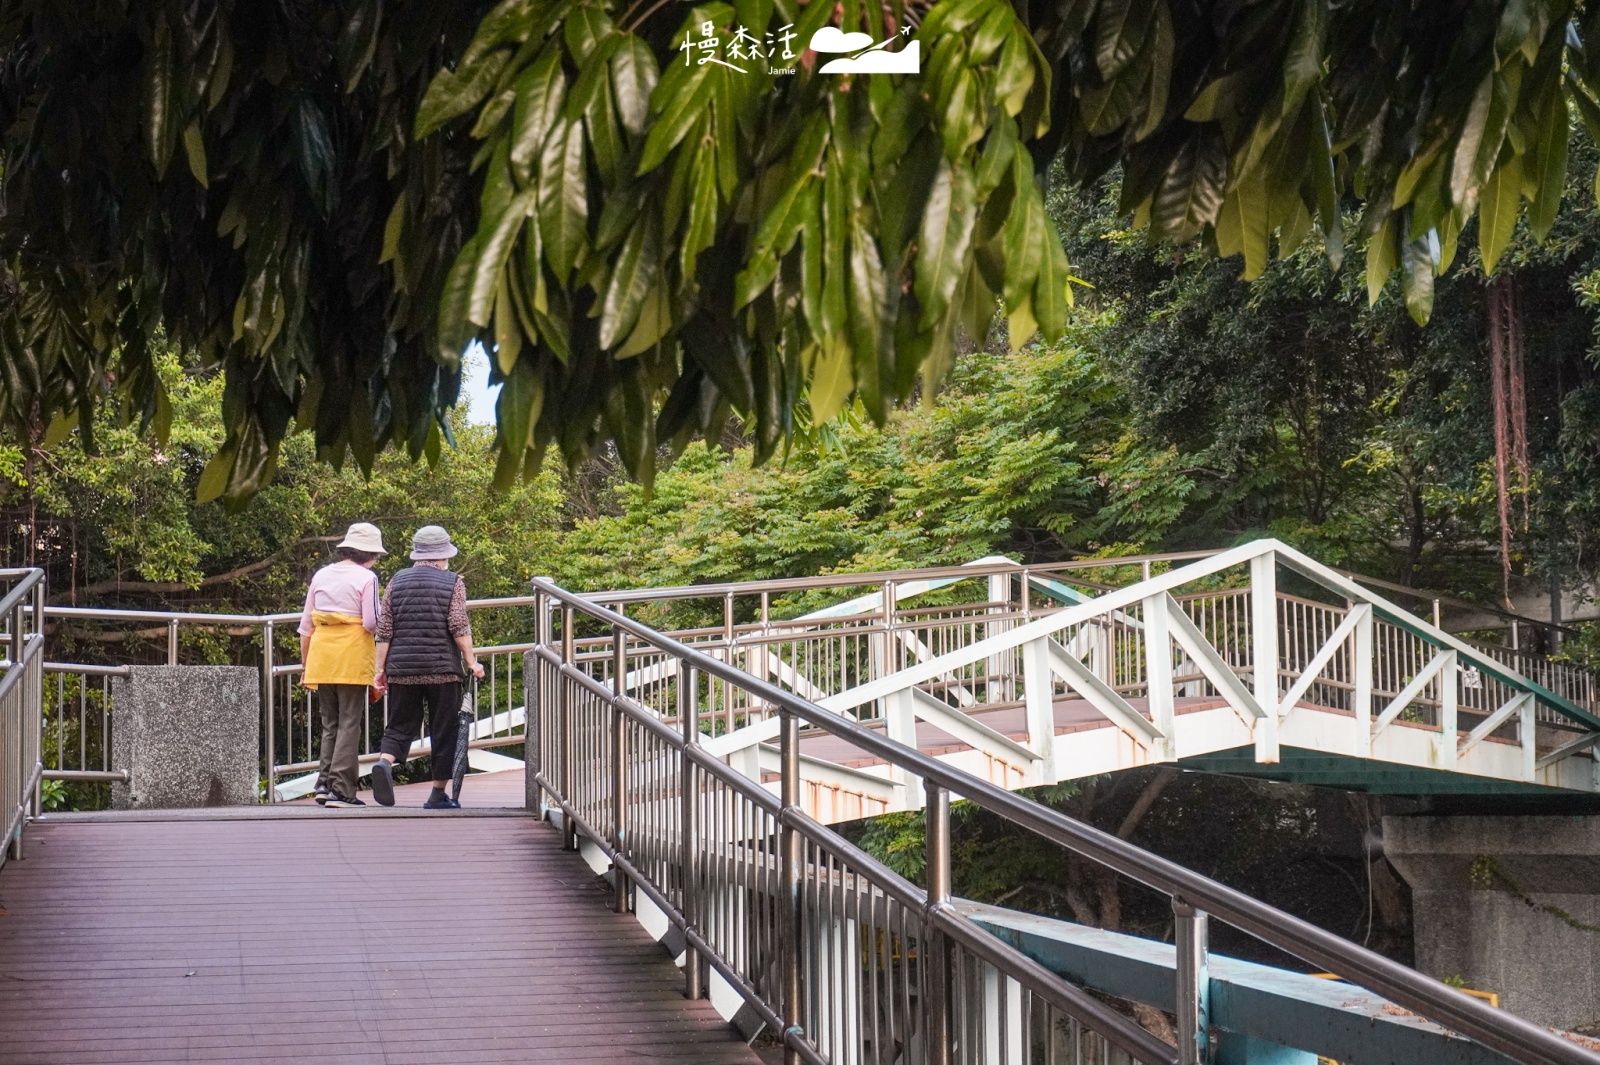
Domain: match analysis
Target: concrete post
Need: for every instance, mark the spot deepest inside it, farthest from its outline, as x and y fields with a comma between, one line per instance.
x=188, y=735
x=1507, y=904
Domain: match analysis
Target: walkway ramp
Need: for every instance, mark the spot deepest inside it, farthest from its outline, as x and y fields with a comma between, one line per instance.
x=332, y=940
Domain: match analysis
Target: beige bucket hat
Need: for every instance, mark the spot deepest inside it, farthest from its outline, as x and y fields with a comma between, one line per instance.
x=364, y=536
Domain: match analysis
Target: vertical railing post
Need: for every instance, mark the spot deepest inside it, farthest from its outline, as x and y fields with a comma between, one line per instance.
x=1264, y=643
x=1158, y=673
x=689, y=725
x=792, y=923
x=533, y=701
x=268, y=702
x=569, y=827
x=1448, y=691
x=1194, y=983
x=1528, y=732
x=936, y=823
x=36, y=699
x=881, y=646
x=619, y=770
x=18, y=653
x=727, y=656
x=1001, y=666
x=172, y=641
x=1039, y=706
x=1363, y=681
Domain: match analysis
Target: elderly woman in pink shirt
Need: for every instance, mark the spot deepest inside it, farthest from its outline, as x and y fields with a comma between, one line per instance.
x=339, y=657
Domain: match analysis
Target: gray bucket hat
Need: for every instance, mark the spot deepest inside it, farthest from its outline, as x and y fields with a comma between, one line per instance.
x=431, y=542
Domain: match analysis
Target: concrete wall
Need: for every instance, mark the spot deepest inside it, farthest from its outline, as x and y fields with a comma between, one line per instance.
x=189, y=736
x=1508, y=904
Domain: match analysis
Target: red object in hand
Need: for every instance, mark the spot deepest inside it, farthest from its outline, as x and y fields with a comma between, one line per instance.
x=375, y=692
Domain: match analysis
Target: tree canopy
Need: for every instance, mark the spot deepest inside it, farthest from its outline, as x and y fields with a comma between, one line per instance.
x=333, y=201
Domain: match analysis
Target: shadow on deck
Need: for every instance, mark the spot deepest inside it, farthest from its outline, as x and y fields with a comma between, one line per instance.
x=338, y=938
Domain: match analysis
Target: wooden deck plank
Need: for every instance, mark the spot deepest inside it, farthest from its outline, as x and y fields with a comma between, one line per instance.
x=338, y=941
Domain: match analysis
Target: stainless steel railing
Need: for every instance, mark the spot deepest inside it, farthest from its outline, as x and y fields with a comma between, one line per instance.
x=770, y=629
x=21, y=691
x=847, y=961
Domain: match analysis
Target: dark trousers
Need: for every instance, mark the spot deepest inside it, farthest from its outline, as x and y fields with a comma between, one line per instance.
x=342, y=706
x=406, y=705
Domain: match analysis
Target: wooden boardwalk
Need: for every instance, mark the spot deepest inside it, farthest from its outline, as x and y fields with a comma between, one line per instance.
x=331, y=941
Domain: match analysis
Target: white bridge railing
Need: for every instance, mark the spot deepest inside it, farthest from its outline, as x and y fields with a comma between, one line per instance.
x=943, y=646
x=1346, y=678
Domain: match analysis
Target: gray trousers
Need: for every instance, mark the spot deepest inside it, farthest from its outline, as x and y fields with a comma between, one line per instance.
x=342, y=706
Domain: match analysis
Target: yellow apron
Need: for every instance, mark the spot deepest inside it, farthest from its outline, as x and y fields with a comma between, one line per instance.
x=341, y=651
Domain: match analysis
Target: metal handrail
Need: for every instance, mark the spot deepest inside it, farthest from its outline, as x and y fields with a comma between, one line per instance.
x=20, y=708
x=1406, y=987
x=939, y=914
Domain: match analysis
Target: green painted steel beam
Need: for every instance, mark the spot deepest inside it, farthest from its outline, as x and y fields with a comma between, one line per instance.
x=1260, y=1009
x=1301, y=766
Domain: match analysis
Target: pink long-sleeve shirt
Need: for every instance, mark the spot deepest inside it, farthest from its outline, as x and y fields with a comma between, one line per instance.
x=342, y=588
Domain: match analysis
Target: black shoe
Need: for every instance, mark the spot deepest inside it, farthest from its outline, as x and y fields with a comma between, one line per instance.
x=339, y=802
x=322, y=796
x=440, y=801
x=383, y=783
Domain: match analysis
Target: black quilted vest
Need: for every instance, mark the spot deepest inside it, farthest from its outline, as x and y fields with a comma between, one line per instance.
x=421, y=645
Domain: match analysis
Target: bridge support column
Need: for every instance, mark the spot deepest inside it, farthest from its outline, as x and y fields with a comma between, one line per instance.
x=1509, y=905
x=188, y=736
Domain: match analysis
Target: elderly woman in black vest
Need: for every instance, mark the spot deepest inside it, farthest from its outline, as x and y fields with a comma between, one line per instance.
x=423, y=638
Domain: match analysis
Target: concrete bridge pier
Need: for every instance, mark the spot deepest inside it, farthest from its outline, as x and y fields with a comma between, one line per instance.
x=1507, y=904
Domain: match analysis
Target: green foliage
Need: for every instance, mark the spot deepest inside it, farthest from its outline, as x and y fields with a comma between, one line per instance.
x=1027, y=452
x=647, y=245
x=121, y=527
x=1299, y=408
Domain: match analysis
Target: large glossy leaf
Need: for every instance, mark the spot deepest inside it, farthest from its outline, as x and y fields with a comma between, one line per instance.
x=1021, y=236
x=563, y=206
x=455, y=327
x=1120, y=32
x=866, y=300
x=454, y=93
x=633, y=274
x=700, y=228
x=633, y=78
x=1382, y=256
x=1302, y=65
x=1463, y=169
x=496, y=249
x=1191, y=190
x=682, y=103
x=1418, y=260
x=1051, y=299
x=160, y=104
x=1241, y=225
x=944, y=246
x=1498, y=207
x=1551, y=159
x=540, y=91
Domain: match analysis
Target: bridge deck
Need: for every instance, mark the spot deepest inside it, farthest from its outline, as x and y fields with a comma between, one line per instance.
x=334, y=940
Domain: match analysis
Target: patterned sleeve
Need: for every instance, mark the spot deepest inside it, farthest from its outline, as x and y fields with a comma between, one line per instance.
x=385, y=633
x=460, y=624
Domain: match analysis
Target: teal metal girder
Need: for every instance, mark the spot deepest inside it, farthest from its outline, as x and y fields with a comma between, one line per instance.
x=1257, y=1007
x=1301, y=766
